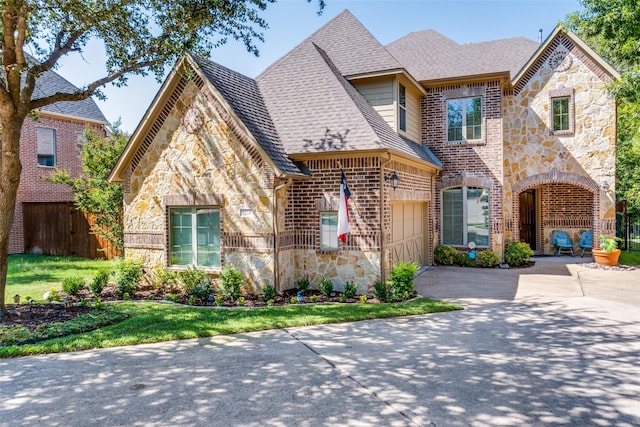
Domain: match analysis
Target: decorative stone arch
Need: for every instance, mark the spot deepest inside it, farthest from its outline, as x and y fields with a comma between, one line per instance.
x=556, y=177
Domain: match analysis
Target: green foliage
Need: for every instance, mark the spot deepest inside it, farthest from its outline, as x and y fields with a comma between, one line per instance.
x=488, y=258
x=363, y=299
x=462, y=259
x=100, y=280
x=517, y=253
x=293, y=300
x=93, y=193
x=381, y=291
x=231, y=281
x=350, y=289
x=326, y=286
x=314, y=298
x=304, y=285
x=608, y=244
x=172, y=297
x=202, y=289
x=269, y=292
x=128, y=277
x=73, y=285
x=445, y=254
x=163, y=278
x=191, y=277
x=401, y=279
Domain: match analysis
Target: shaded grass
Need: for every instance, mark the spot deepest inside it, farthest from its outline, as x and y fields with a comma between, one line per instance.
x=156, y=322
x=629, y=258
x=32, y=275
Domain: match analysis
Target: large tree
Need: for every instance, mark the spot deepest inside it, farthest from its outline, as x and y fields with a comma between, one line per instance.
x=139, y=37
x=612, y=28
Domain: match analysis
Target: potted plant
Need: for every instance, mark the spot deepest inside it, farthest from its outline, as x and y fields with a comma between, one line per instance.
x=608, y=253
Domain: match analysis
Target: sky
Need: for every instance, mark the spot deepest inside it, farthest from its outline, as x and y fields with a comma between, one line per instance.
x=291, y=21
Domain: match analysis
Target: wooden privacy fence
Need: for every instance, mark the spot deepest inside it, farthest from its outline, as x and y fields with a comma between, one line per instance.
x=61, y=229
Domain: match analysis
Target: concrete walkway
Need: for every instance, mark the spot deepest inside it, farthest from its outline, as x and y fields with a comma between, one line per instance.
x=535, y=347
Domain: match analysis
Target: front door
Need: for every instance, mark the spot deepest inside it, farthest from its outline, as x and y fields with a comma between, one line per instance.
x=528, y=218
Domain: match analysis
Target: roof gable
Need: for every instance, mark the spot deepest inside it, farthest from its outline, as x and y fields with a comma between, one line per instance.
x=570, y=42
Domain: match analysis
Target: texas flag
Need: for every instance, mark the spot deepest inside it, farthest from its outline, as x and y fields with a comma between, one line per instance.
x=343, y=209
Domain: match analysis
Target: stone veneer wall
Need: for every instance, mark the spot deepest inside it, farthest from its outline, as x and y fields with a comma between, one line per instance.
x=210, y=167
x=472, y=163
x=585, y=158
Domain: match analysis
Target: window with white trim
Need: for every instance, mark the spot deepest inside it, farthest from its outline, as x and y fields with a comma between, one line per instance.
x=46, y=146
x=465, y=216
x=402, y=107
x=194, y=237
x=329, y=231
x=464, y=119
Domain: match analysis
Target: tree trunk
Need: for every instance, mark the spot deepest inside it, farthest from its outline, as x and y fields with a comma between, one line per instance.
x=10, y=168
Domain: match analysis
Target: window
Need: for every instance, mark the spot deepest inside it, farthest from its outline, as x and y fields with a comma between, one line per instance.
x=464, y=119
x=465, y=216
x=194, y=236
x=561, y=115
x=402, y=107
x=46, y=147
x=329, y=231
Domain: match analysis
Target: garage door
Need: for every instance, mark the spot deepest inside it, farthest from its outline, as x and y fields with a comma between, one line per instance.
x=408, y=232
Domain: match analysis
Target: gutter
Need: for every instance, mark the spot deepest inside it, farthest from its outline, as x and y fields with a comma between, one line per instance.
x=382, y=245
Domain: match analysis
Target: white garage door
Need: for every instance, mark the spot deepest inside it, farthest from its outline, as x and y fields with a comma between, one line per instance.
x=408, y=234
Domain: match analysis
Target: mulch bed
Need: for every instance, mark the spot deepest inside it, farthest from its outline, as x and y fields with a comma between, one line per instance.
x=32, y=315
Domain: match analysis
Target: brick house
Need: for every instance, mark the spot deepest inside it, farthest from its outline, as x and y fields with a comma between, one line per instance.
x=491, y=142
x=41, y=220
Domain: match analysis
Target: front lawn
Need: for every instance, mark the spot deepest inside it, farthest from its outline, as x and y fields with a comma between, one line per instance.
x=32, y=275
x=156, y=322
x=629, y=258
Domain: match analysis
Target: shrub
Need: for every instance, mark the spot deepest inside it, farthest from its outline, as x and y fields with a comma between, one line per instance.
x=100, y=280
x=488, y=258
x=128, y=277
x=202, y=289
x=462, y=259
x=401, y=279
x=445, y=254
x=304, y=285
x=350, y=289
x=326, y=286
x=164, y=278
x=191, y=277
x=73, y=285
x=269, y=292
x=381, y=291
x=517, y=253
x=231, y=280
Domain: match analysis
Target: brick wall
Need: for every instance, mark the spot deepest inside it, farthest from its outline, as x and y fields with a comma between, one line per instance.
x=32, y=187
x=471, y=163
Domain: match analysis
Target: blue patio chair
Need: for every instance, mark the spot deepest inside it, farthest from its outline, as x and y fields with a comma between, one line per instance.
x=562, y=242
x=586, y=242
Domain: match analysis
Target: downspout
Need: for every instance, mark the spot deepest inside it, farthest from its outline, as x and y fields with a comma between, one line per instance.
x=382, y=260
x=276, y=234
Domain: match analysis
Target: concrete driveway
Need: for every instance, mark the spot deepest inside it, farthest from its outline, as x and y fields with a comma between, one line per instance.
x=551, y=350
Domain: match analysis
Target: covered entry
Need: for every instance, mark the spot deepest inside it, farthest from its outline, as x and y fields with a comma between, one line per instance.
x=408, y=232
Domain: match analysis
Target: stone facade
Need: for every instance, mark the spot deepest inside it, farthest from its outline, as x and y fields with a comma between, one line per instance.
x=567, y=168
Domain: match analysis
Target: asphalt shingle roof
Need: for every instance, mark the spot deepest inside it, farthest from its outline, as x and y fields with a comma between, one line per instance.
x=351, y=47
x=50, y=83
x=428, y=55
x=244, y=97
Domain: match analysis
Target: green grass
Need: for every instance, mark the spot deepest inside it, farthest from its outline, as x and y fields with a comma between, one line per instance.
x=629, y=258
x=155, y=322
x=32, y=275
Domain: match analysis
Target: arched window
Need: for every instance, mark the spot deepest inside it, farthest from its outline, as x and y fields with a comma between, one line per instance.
x=465, y=216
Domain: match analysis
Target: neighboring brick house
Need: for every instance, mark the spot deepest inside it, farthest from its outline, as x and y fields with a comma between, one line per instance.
x=228, y=170
x=50, y=140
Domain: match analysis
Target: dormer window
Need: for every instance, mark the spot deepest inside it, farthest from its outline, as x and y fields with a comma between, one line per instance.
x=402, y=107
